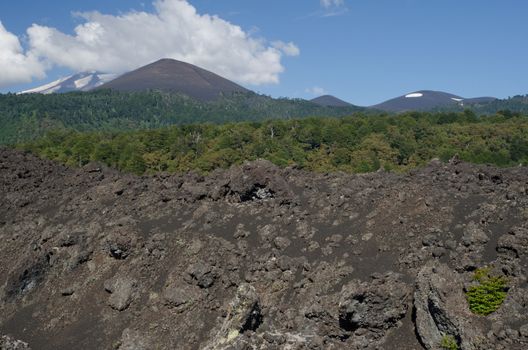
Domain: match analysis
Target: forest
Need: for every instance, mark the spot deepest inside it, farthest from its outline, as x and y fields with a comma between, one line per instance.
x=358, y=143
x=29, y=116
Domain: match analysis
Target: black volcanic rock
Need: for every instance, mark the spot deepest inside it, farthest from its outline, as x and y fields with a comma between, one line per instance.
x=329, y=261
x=330, y=101
x=176, y=76
x=426, y=100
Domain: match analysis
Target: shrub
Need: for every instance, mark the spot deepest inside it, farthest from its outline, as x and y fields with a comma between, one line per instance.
x=448, y=343
x=489, y=294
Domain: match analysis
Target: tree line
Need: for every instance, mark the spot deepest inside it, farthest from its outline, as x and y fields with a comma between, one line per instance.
x=359, y=143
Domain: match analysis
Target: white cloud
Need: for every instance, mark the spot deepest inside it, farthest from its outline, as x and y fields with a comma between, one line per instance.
x=332, y=3
x=316, y=91
x=333, y=8
x=175, y=30
x=15, y=66
x=289, y=49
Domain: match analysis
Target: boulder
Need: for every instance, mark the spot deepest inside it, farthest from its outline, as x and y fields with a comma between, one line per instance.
x=442, y=309
x=257, y=180
x=122, y=290
x=244, y=315
x=201, y=274
x=377, y=305
x=514, y=244
x=474, y=235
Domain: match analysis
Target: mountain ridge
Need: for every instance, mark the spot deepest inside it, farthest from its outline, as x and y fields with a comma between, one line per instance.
x=426, y=100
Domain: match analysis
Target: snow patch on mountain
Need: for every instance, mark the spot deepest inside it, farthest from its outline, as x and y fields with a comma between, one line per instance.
x=46, y=87
x=79, y=84
x=84, y=81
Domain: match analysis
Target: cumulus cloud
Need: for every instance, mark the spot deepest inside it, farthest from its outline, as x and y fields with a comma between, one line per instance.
x=15, y=65
x=332, y=3
x=121, y=43
x=316, y=91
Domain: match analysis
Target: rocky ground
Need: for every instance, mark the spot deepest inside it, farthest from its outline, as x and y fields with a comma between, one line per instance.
x=257, y=257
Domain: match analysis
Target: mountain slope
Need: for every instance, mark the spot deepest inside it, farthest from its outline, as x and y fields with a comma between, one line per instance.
x=84, y=81
x=425, y=100
x=330, y=101
x=176, y=76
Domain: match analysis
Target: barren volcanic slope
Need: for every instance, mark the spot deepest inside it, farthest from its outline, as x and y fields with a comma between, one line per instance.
x=330, y=101
x=175, y=76
x=257, y=257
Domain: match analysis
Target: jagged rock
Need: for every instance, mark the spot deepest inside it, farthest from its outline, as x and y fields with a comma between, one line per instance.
x=441, y=309
x=438, y=252
x=512, y=313
x=376, y=306
x=195, y=191
x=27, y=277
x=281, y=242
x=8, y=343
x=244, y=315
x=176, y=296
x=68, y=291
x=121, y=291
x=133, y=340
x=430, y=240
x=523, y=331
x=183, y=243
x=119, y=245
x=202, y=274
x=473, y=235
x=514, y=244
x=257, y=180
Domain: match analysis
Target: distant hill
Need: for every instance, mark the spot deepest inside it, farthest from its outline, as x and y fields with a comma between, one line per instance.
x=426, y=100
x=170, y=75
x=330, y=101
x=84, y=81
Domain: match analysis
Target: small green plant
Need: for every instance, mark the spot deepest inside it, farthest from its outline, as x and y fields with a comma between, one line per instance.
x=489, y=294
x=448, y=342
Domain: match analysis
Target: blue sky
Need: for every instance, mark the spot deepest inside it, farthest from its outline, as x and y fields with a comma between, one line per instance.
x=363, y=51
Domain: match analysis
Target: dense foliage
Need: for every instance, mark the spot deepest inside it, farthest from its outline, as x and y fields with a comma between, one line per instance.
x=353, y=144
x=486, y=297
x=28, y=116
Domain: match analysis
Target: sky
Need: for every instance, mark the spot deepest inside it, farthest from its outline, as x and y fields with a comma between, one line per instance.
x=362, y=51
